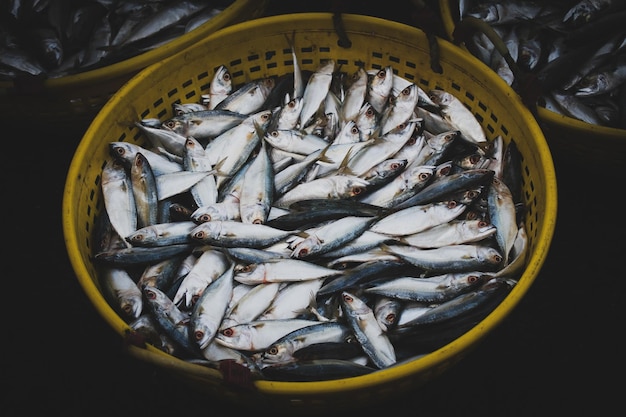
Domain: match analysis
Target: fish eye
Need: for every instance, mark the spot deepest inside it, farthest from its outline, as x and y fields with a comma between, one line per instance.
x=137, y=238
x=370, y=112
x=195, y=298
x=292, y=103
x=198, y=334
x=199, y=235
x=396, y=165
x=390, y=318
x=354, y=130
x=303, y=252
x=471, y=215
x=357, y=190
x=424, y=176
x=406, y=91
x=381, y=74
x=128, y=309
x=472, y=194
x=347, y=298
x=475, y=158
x=274, y=133
x=451, y=204
x=228, y=332
x=170, y=123
x=205, y=218
x=257, y=221
x=472, y=279
x=445, y=170
x=483, y=223
x=226, y=76
x=272, y=351
x=497, y=258
x=151, y=295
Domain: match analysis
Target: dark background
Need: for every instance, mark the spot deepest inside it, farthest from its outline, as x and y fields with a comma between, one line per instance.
x=560, y=350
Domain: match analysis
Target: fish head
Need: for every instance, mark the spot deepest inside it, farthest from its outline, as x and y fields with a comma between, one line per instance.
x=131, y=305
x=234, y=337
x=203, y=334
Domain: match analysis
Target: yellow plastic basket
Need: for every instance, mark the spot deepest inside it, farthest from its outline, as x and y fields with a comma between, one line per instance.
x=567, y=137
x=70, y=103
x=259, y=48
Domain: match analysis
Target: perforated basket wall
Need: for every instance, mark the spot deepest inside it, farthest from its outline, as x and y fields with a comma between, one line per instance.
x=69, y=103
x=259, y=48
x=567, y=137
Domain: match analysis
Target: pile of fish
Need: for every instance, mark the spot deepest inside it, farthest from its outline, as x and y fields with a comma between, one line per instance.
x=56, y=38
x=311, y=226
x=574, y=49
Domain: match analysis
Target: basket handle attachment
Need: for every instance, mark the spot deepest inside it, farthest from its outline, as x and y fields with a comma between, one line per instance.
x=340, y=30
x=526, y=85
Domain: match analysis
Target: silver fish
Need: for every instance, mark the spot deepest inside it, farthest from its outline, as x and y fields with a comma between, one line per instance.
x=415, y=219
x=195, y=159
x=125, y=152
x=122, y=292
x=292, y=300
x=367, y=331
x=208, y=266
x=408, y=183
x=161, y=138
x=162, y=234
x=230, y=233
x=210, y=308
x=205, y=124
x=355, y=96
x=295, y=141
x=257, y=335
x=379, y=88
x=331, y=236
x=400, y=109
x=452, y=258
x=315, y=91
x=433, y=289
x=175, y=183
x=331, y=187
x=257, y=192
x=283, y=349
x=251, y=305
x=221, y=86
x=119, y=200
x=171, y=320
x=503, y=216
x=459, y=116
x=145, y=191
x=387, y=311
x=225, y=210
x=454, y=232
x=281, y=270
x=249, y=98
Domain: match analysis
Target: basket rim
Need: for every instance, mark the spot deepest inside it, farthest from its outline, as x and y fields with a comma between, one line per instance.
x=353, y=23
x=132, y=65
